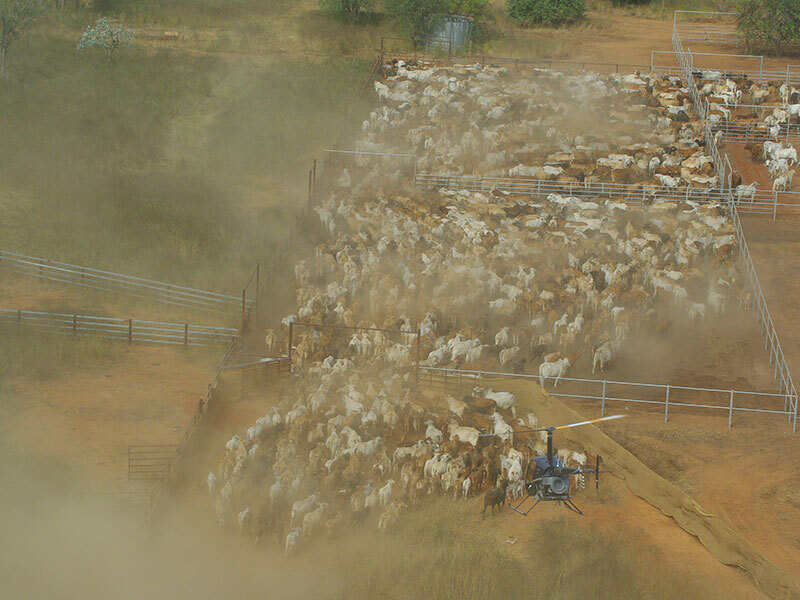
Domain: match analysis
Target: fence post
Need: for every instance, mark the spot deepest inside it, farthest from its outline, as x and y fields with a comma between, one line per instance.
x=130, y=330
x=603, y=402
x=74, y=323
x=258, y=288
x=185, y=334
x=244, y=298
x=314, y=178
x=289, y=347
x=730, y=411
x=666, y=405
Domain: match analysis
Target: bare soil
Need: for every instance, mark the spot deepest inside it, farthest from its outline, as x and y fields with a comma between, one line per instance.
x=83, y=421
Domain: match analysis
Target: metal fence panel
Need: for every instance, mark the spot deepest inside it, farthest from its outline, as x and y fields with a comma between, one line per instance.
x=137, y=287
x=132, y=330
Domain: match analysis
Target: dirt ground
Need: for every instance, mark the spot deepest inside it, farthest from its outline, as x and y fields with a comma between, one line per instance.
x=774, y=246
x=83, y=421
x=752, y=171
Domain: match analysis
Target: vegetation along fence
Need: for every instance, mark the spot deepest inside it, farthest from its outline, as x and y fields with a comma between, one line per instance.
x=131, y=330
x=137, y=287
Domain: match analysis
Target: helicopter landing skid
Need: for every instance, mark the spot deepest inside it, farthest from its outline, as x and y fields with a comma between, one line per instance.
x=518, y=507
x=566, y=502
x=569, y=504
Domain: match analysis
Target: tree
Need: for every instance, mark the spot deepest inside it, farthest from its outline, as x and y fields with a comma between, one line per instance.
x=774, y=22
x=348, y=10
x=416, y=17
x=16, y=17
x=477, y=9
x=106, y=35
x=545, y=12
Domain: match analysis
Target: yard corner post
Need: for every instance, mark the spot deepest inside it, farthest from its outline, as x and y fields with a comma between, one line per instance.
x=774, y=204
x=730, y=410
x=244, y=300
x=603, y=401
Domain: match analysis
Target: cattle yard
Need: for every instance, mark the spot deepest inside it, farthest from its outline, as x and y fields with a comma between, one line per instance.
x=479, y=229
x=494, y=225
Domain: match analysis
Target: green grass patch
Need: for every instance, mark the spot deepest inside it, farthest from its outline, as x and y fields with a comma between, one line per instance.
x=162, y=164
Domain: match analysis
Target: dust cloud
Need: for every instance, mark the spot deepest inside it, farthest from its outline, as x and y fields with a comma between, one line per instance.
x=60, y=543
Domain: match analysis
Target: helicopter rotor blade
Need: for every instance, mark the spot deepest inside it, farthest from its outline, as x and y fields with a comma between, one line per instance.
x=530, y=430
x=515, y=432
x=609, y=418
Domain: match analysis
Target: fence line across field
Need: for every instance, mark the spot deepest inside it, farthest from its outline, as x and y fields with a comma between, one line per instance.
x=690, y=70
x=756, y=132
x=709, y=32
x=768, y=331
x=762, y=202
x=665, y=395
x=138, y=287
x=131, y=330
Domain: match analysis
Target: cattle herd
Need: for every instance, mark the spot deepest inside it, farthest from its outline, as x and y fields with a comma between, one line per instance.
x=475, y=280
x=770, y=110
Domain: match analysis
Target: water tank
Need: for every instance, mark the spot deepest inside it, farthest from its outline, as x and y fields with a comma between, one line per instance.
x=452, y=31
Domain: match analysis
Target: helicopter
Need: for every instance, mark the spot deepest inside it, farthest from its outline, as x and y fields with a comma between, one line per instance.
x=547, y=479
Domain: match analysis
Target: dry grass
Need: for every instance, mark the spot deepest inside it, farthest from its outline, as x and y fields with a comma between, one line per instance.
x=665, y=463
x=44, y=355
x=653, y=8
x=443, y=551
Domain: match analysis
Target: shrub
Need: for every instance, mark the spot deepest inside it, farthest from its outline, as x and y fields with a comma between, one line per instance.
x=477, y=9
x=416, y=17
x=347, y=10
x=545, y=12
x=773, y=22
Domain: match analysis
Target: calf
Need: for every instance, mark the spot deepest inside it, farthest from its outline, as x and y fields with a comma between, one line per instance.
x=495, y=497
